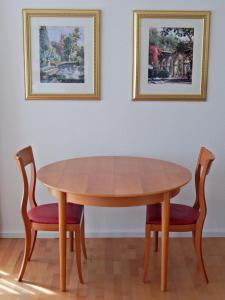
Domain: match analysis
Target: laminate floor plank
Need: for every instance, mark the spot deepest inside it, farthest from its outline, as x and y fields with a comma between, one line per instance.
x=113, y=271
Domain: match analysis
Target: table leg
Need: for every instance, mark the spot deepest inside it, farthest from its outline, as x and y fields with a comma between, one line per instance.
x=165, y=238
x=62, y=239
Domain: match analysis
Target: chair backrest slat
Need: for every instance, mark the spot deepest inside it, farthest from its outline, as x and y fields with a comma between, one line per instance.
x=25, y=155
x=204, y=163
x=25, y=158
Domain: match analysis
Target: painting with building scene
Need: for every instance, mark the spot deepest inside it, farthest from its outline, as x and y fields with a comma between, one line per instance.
x=61, y=51
x=170, y=55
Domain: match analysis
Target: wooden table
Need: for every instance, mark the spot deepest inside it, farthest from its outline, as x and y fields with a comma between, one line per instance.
x=113, y=181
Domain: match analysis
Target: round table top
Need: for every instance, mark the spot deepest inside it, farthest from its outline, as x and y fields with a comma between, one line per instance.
x=114, y=176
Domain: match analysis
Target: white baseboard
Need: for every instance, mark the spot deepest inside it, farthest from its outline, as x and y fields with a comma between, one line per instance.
x=118, y=234
x=20, y=234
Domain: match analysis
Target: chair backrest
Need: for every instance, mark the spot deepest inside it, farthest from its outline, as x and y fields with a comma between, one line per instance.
x=204, y=163
x=24, y=158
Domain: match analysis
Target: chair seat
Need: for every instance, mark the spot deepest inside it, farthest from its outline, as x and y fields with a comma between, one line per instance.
x=48, y=213
x=179, y=214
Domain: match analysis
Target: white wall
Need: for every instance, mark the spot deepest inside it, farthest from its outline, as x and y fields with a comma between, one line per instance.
x=116, y=125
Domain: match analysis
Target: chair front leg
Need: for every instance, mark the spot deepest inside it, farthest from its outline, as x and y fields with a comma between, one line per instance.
x=193, y=239
x=78, y=252
x=156, y=235
x=83, y=238
x=147, y=250
x=71, y=240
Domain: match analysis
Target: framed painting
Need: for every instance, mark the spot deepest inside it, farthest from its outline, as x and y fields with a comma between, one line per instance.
x=170, y=55
x=62, y=54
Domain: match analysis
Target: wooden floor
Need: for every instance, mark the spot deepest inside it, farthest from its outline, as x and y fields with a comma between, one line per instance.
x=113, y=271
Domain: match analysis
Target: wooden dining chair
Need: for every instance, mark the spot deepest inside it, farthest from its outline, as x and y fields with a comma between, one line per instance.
x=182, y=217
x=45, y=217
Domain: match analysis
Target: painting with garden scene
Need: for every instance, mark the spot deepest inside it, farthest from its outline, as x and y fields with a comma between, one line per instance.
x=170, y=58
x=61, y=51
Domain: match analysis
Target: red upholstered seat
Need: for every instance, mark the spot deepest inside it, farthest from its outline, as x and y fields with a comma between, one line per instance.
x=179, y=214
x=48, y=213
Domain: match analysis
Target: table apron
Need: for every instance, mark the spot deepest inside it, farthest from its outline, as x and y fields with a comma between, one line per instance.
x=114, y=201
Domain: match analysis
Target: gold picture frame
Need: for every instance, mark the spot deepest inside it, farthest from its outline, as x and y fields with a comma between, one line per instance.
x=61, y=54
x=160, y=71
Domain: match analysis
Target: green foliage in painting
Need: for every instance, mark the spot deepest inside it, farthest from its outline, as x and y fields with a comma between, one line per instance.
x=170, y=54
x=61, y=54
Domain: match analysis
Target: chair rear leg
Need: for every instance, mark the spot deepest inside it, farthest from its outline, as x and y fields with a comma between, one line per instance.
x=26, y=253
x=147, y=251
x=33, y=240
x=83, y=239
x=156, y=236
x=78, y=251
x=71, y=240
x=198, y=247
